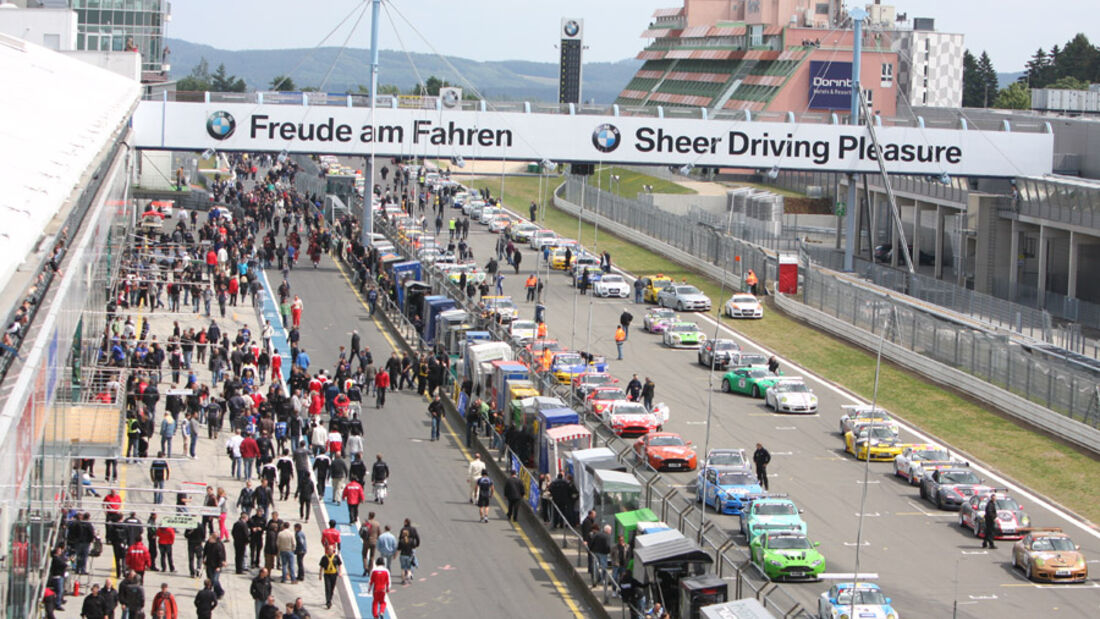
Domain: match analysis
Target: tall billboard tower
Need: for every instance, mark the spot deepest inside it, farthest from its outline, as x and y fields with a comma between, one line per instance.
x=569, y=72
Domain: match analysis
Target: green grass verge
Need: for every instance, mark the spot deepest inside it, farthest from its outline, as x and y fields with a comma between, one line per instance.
x=1057, y=470
x=630, y=182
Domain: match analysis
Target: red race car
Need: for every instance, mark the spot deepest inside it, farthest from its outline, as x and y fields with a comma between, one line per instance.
x=587, y=381
x=665, y=451
x=600, y=398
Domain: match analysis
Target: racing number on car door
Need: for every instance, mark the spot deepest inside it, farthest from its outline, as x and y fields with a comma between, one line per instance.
x=741, y=383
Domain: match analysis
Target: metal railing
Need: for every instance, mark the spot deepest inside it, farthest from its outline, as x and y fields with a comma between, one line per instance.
x=1058, y=384
x=731, y=559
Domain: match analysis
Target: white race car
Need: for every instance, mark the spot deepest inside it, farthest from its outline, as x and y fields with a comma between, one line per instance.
x=612, y=285
x=791, y=395
x=743, y=305
x=915, y=460
x=522, y=331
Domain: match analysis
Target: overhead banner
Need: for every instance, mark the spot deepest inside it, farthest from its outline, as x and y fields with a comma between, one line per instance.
x=605, y=139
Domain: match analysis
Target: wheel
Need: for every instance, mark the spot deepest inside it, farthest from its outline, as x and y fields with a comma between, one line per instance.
x=939, y=501
x=726, y=386
x=680, y=306
x=755, y=391
x=978, y=528
x=700, y=356
x=1027, y=570
x=923, y=493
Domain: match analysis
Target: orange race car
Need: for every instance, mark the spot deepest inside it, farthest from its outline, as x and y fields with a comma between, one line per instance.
x=665, y=451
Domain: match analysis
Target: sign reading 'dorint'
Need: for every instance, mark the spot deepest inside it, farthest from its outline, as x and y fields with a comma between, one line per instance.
x=606, y=139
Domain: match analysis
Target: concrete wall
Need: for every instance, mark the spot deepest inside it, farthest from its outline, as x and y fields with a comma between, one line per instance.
x=126, y=64
x=51, y=28
x=681, y=204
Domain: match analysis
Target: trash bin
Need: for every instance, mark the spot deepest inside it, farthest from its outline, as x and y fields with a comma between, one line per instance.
x=540, y=312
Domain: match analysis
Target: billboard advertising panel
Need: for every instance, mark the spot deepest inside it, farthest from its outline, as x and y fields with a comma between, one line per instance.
x=830, y=85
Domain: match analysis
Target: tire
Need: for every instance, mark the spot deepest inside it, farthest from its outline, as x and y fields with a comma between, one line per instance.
x=923, y=492
x=755, y=391
x=680, y=306
x=726, y=386
x=939, y=501
x=977, y=529
x=1027, y=571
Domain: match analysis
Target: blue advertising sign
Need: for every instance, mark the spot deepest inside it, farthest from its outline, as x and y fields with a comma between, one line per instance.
x=533, y=497
x=830, y=85
x=515, y=464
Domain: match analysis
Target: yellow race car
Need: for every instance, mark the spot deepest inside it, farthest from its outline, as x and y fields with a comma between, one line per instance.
x=874, y=441
x=652, y=286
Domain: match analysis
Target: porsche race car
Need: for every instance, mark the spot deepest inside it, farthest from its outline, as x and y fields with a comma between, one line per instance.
x=1049, y=555
x=791, y=395
x=916, y=460
x=1011, y=519
x=874, y=442
x=752, y=381
x=950, y=488
x=683, y=335
x=657, y=320
x=847, y=600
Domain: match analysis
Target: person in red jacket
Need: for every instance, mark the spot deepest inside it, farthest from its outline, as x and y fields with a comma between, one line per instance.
x=112, y=503
x=138, y=559
x=234, y=288
x=164, y=600
x=250, y=450
x=379, y=586
x=276, y=366
x=331, y=536
x=354, y=495
x=211, y=262
x=381, y=383
x=166, y=536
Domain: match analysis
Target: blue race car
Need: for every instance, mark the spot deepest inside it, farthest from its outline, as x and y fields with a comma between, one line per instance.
x=845, y=599
x=727, y=489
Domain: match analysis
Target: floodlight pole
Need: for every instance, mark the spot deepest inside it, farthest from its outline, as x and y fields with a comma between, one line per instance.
x=857, y=15
x=367, y=227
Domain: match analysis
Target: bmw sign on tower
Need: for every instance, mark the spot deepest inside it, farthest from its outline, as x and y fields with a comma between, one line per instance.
x=220, y=125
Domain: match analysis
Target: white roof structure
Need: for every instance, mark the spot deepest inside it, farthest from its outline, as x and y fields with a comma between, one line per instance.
x=58, y=113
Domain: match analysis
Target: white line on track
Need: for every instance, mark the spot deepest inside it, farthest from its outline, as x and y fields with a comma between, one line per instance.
x=923, y=438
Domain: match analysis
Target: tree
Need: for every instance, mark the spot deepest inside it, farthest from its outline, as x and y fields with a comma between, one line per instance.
x=198, y=80
x=283, y=83
x=987, y=76
x=972, y=82
x=430, y=87
x=1039, y=70
x=222, y=81
x=1068, y=83
x=1016, y=97
x=1079, y=59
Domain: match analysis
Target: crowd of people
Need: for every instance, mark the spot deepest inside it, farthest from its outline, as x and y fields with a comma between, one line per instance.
x=286, y=442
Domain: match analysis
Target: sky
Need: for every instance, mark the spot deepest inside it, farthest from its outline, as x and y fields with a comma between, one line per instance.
x=528, y=30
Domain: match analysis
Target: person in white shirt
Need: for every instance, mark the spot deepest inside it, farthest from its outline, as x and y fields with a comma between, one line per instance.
x=233, y=448
x=473, y=473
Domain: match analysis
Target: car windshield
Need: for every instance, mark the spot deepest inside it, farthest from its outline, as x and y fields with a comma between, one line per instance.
x=743, y=298
x=931, y=454
x=684, y=327
x=661, y=283
x=524, y=325
x=613, y=279
x=666, y=441
x=596, y=379
x=1050, y=544
x=959, y=477
x=726, y=345
x=1007, y=504
x=775, y=509
x=789, y=542
x=683, y=290
x=794, y=387
x=634, y=408
x=736, y=478
x=868, y=417
x=568, y=359
x=752, y=359
x=727, y=458
x=662, y=313
x=755, y=373
x=865, y=596
x=877, y=432
x=504, y=304
x=610, y=394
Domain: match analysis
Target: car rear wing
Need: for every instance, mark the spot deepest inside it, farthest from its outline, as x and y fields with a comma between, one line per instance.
x=766, y=495
x=789, y=379
x=940, y=464
x=855, y=409
x=1040, y=530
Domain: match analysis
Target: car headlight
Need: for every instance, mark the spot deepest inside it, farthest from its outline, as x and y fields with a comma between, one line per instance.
x=1039, y=561
x=1080, y=562
x=783, y=399
x=892, y=616
x=775, y=563
x=816, y=563
x=843, y=616
x=1025, y=521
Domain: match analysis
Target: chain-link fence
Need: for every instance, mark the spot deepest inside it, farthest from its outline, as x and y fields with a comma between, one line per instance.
x=702, y=235
x=1057, y=384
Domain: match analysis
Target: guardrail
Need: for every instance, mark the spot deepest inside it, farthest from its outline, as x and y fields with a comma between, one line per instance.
x=1060, y=425
x=732, y=561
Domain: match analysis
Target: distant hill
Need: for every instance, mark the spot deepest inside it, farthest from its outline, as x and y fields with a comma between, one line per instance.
x=1004, y=79
x=508, y=79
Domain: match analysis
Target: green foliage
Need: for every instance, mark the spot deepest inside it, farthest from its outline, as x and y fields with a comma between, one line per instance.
x=1068, y=82
x=979, y=80
x=283, y=83
x=200, y=79
x=222, y=81
x=1079, y=59
x=1016, y=97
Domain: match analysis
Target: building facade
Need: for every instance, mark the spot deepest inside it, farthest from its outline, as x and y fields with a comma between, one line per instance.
x=125, y=25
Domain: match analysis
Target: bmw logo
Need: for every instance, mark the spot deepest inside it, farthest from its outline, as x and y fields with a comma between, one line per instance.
x=220, y=125
x=571, y=28
x=606, y=138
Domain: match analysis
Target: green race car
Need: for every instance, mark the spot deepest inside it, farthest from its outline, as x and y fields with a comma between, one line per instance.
x=771, y=514
x=787, y=555
x=752, y=381
x=683, y=335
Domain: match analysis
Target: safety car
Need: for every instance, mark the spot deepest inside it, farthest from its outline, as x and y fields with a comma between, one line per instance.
x=612, y=285
x=684, y=298
x=742, y=305
x=652, y=285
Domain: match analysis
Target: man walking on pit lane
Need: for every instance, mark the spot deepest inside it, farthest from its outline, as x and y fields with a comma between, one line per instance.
x=514, y=493
x=761, y=457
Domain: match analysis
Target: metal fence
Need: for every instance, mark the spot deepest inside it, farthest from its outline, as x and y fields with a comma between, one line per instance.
x=670, y=503
x=996, y=358
x=699, y=234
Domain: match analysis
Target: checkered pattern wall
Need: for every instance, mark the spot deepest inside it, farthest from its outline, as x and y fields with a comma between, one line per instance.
x=931, y=68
